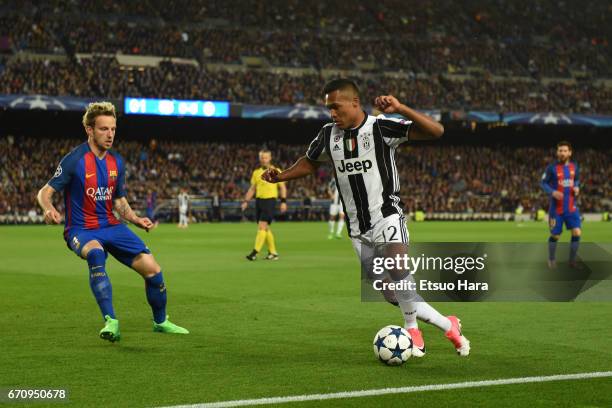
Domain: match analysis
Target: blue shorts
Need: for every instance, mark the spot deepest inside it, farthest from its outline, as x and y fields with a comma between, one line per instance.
x=119, y=240
x=555, y=221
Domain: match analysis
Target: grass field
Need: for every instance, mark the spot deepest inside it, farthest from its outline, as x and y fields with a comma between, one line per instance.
x=268, y=329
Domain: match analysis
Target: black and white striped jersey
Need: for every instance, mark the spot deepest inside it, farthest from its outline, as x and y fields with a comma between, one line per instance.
x=183, y=201
x=364, y=168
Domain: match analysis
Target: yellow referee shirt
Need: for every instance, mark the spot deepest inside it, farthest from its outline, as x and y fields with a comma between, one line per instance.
x=263, y=189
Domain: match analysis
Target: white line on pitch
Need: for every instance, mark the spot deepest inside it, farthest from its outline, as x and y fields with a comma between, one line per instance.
x=400, y=390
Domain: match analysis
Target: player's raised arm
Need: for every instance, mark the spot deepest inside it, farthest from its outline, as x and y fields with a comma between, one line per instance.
x=423, y=126
x=301, y=168
x=122, y=207
x=45, y=201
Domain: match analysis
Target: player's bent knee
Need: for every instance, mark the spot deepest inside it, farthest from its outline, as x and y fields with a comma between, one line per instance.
x=93, y=244
x=576, y=232
x=146, y=265
x=96, y=258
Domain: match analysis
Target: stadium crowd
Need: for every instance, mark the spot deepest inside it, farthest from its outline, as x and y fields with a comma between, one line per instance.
x=490, y=55
x=434, y=178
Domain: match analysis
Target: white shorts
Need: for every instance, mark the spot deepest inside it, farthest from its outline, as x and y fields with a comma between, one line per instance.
x=335, y=209
x=183, y=211
x=389, y=229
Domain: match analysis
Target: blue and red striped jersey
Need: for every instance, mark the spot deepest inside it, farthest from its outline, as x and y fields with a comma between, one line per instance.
x=90, y=185
x=563, y=178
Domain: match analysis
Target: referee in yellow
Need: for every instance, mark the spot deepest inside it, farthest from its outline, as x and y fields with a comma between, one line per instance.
x=265, y=206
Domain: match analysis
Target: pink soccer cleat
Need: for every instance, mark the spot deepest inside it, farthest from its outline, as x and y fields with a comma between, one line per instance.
x=462, y=345
x=418, y=344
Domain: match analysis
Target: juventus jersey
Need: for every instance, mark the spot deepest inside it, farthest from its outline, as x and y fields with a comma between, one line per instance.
x=183, y=200
x=364, y=168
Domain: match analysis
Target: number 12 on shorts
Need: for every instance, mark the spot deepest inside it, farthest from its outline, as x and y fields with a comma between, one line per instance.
x=390, y=234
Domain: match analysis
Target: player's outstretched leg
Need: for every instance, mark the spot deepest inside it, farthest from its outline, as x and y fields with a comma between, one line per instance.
x=449, y=325
x=157, y=297
x=103, y=292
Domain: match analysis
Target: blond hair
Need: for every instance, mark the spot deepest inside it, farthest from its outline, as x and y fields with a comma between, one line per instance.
x=96, y=109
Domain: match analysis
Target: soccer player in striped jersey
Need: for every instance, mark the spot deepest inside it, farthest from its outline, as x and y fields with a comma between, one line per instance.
x=561, y=181
x=336, y=213
x=92, y=178
x=362, y=149
x=183, y=208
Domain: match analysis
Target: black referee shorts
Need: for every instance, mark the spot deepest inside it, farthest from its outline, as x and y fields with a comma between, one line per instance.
x=265, y=208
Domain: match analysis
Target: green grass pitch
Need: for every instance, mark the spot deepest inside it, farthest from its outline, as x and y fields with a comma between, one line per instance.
x=267, y=329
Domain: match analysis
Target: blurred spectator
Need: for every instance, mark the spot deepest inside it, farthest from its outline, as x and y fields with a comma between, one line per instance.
x=436, y=178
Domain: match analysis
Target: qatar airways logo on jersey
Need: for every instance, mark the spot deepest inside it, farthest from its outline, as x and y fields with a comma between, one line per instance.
x=567, y=182
x=354, y=166
x=100, y=193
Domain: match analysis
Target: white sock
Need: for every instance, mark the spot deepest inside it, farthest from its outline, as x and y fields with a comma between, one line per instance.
x=430, y=315
x=409, y=310
x=340, y=226
x=331, y=226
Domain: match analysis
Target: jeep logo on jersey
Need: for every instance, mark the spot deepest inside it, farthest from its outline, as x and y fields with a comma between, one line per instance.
x=352, y=166
x=100, y=193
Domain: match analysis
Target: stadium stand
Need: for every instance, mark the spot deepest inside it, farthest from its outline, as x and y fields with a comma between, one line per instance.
x=435, y=179
x=555, y=59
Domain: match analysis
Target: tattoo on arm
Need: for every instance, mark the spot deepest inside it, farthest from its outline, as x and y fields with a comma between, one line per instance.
x=124, y=209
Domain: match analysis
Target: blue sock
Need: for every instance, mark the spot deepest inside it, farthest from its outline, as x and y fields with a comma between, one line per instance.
x=156, y=296
x=99, y=282
x=574, y=248
x=552, y=248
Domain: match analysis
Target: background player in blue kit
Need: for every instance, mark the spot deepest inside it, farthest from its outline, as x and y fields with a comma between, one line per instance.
x=92, y=178
x=561, y=181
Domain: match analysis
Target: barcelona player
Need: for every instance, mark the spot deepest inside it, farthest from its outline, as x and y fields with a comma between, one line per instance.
x=561, y=181
x=92, y=178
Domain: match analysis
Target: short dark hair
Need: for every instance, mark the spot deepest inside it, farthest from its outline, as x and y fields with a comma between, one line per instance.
x=565, y=143
x=342, y=84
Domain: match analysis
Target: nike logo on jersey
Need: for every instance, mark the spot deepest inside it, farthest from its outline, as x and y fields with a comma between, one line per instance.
x=353, y=166
x=88, y=175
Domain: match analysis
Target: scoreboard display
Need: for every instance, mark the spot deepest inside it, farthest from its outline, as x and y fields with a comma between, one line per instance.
x=175, y=107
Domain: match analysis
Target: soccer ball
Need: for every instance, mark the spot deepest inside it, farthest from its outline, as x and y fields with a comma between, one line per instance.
x=393, y=345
